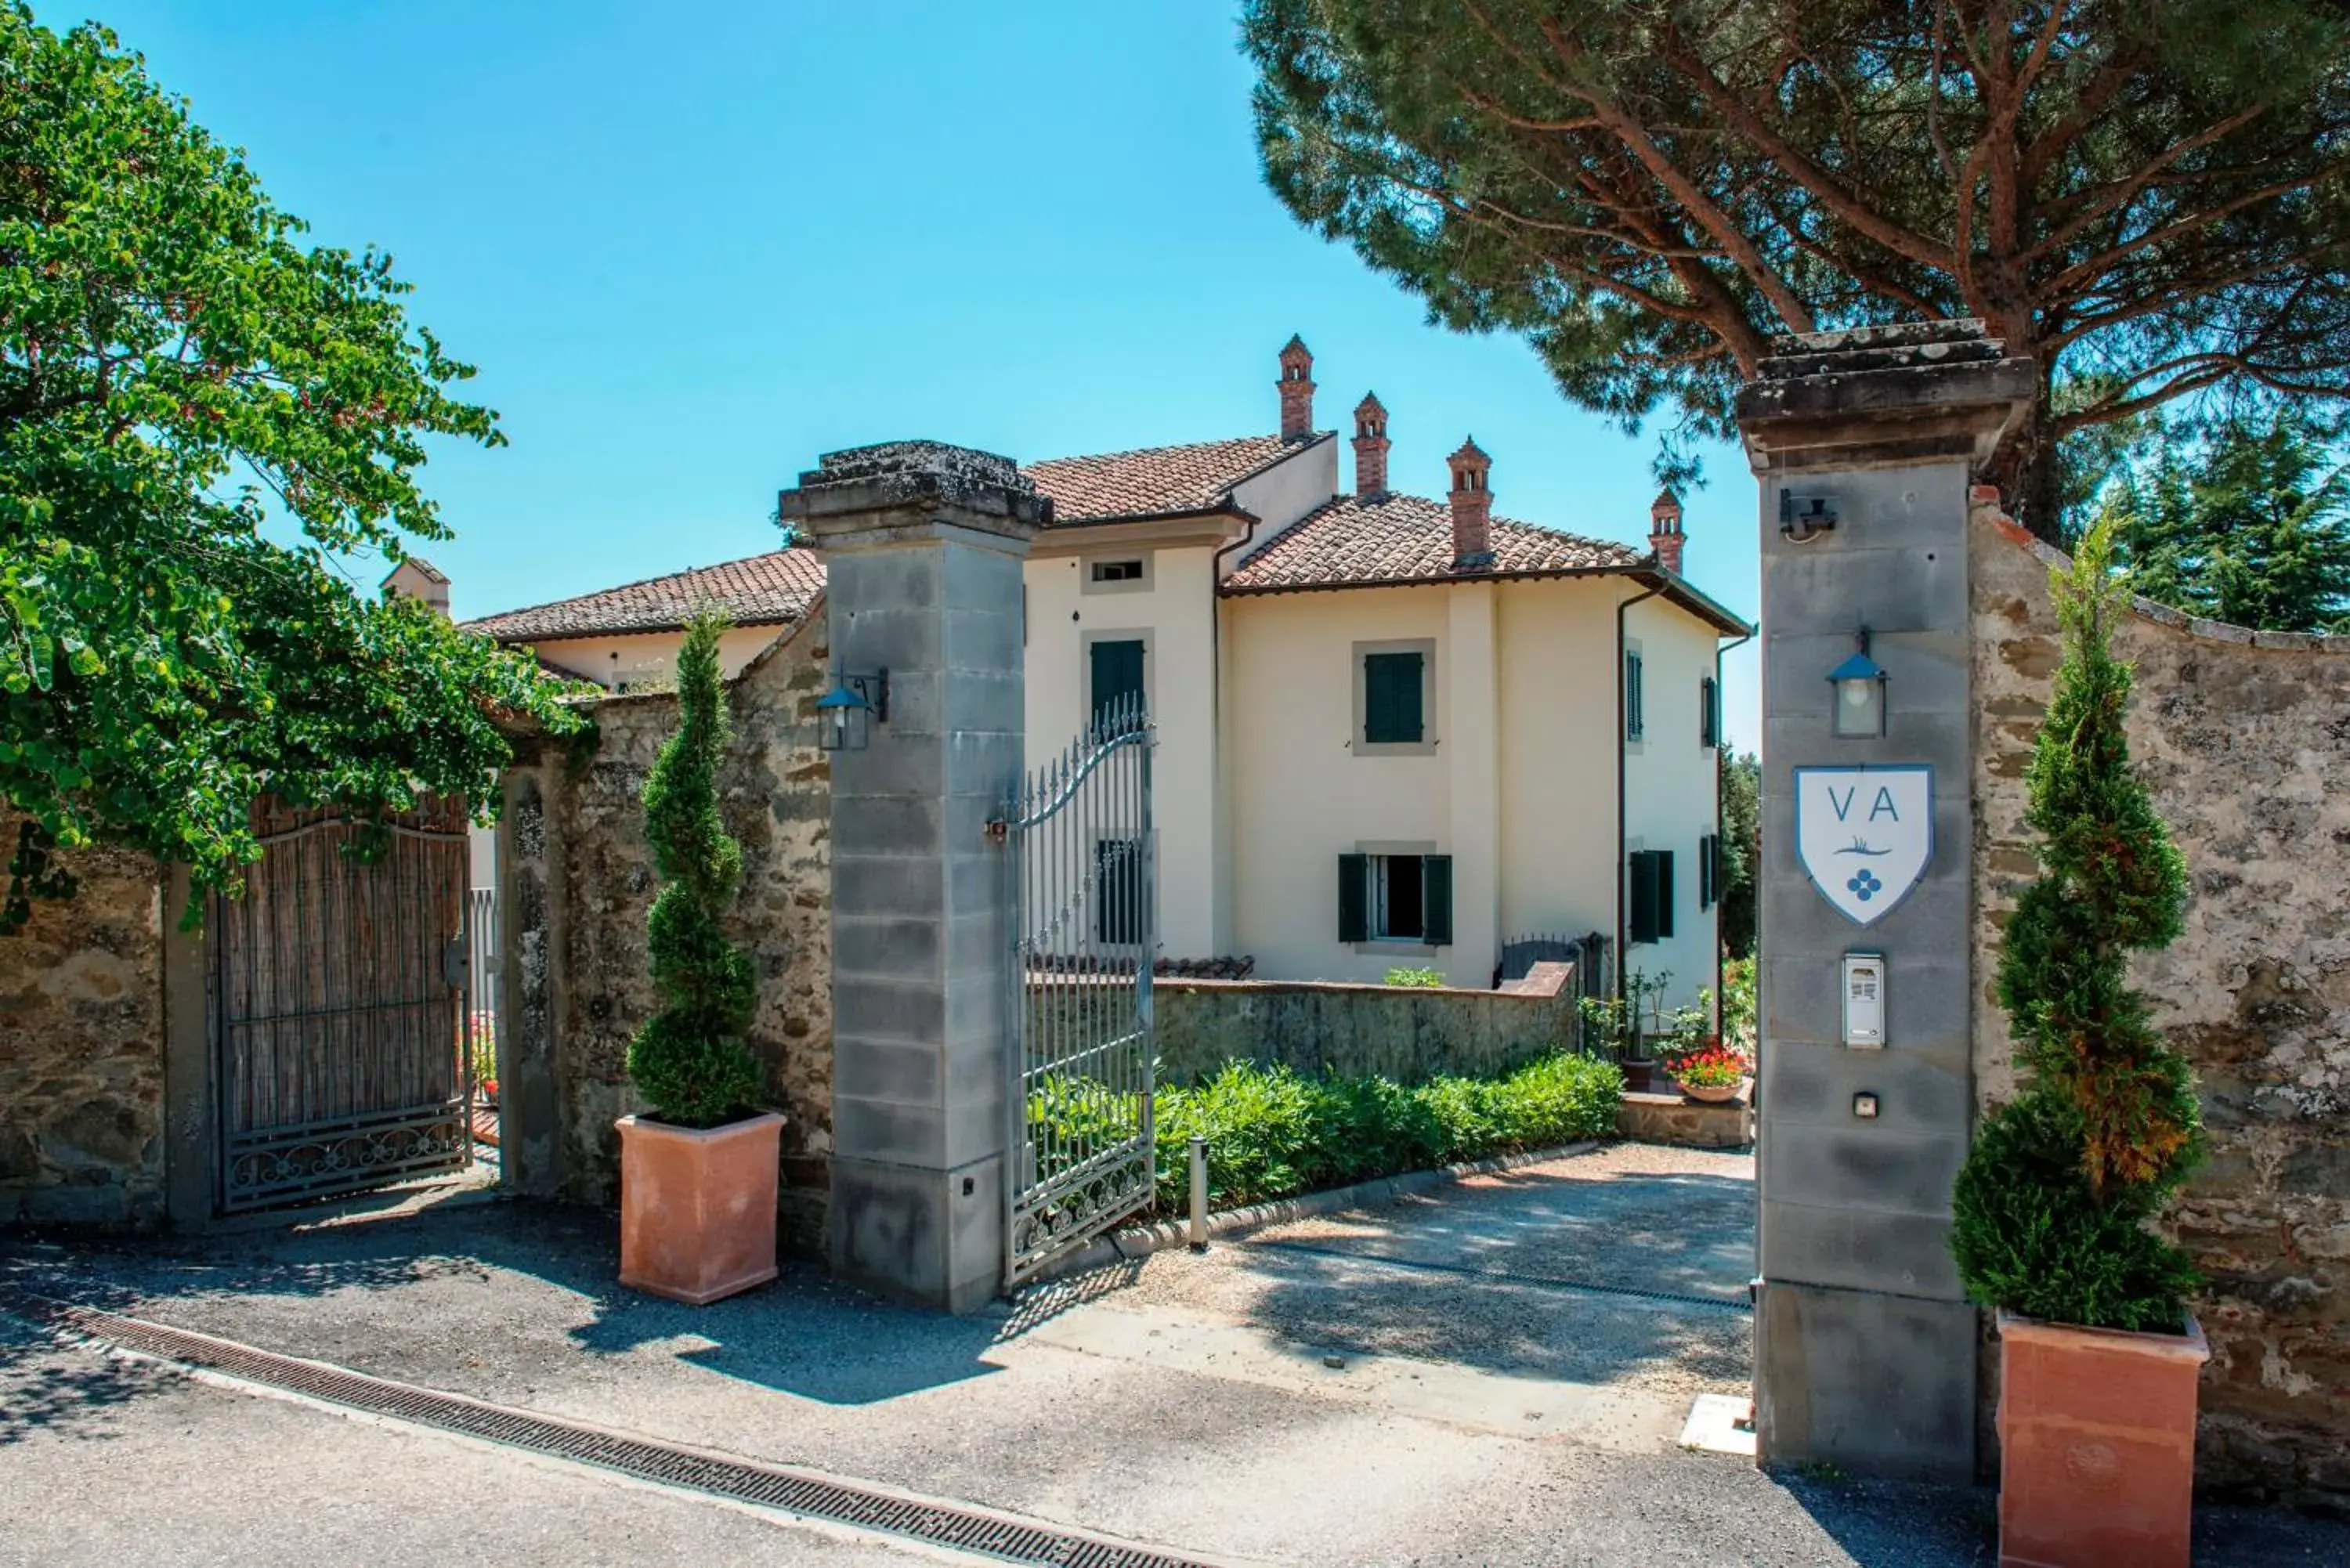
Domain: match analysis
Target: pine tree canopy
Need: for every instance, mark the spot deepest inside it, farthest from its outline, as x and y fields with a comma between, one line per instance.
x=178, y=368
x=2248, y=523
x=2147, y=200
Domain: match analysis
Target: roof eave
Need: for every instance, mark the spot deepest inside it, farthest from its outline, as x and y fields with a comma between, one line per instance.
x=1670, y=584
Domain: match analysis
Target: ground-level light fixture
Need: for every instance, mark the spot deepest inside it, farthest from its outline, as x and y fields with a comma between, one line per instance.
x=846, y=713
x=1859, y=683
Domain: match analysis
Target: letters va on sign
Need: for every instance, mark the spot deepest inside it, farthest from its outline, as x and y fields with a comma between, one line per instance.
x=1864, y=834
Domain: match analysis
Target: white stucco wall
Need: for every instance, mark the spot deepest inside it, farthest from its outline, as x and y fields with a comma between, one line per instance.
x=650, y=656
x=1301, y=795
x=1174, y=616
x=1284, y=492
x=1558, y=756
x=1519, y=789
x=1670, y=783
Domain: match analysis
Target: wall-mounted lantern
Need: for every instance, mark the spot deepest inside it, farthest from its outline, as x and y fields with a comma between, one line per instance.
x=845, y=714
x=1859, y=683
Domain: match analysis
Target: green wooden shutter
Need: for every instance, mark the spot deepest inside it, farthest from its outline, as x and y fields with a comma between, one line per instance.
x=1664, y=893
x=1640, y=897
x=1709, y=714
x=1117, y=675
x=1354, y=897
x=1391, y=699
x=1634, y=697
x=1436, y=900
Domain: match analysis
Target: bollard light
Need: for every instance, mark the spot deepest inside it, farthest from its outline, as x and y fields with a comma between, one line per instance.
x=1859, y=683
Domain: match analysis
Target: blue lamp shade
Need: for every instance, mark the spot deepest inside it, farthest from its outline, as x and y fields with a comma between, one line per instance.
x=841, y=716
x=1859, y=683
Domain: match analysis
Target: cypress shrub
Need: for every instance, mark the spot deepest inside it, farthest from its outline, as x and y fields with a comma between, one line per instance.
x=689, y=1060
x=2052, y=1206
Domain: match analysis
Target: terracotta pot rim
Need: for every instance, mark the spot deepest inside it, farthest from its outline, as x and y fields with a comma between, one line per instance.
x=2189, y=1346
x=639, y=1123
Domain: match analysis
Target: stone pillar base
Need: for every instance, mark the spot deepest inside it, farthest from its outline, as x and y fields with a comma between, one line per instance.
x=930, y=1237
x=1876, y=1384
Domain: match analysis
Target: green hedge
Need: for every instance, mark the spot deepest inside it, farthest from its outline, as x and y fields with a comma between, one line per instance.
x=1272, y=1131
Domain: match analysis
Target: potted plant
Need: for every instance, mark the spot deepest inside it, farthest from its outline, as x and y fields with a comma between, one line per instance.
x=1711, y=1071
x=2100, y=1356
x=698, y=1172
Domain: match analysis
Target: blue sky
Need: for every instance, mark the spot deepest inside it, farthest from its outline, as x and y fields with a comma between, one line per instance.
x=692, y=248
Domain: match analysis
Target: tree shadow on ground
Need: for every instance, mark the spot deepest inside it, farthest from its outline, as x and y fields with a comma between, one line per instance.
x=503, y=1298
x=46, y=1392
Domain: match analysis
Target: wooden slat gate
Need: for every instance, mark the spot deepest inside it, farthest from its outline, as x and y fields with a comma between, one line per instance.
x=338, y=998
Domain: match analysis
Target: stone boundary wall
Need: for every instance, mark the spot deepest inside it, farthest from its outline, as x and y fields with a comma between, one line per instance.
x=577, y=883
x=2245, y=740
x=1409, y=1033
x=81, y=1049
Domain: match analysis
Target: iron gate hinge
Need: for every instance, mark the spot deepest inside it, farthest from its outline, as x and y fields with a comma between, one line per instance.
x=998, y=830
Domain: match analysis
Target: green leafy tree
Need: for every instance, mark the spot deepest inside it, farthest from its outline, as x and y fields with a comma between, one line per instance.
x=1741, y=850
x=177, y=368
x=2249, y=524
x=2052, y=1205
x=689, y=1059
x=2147, y=200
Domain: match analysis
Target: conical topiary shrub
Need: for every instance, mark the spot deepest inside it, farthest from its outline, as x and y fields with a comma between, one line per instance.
x=2053, y=1204
x=689, y=1060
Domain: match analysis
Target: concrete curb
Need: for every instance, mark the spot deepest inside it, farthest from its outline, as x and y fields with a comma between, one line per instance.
x=1141, y=1241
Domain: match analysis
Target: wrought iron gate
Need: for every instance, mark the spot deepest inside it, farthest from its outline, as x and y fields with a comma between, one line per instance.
x=1085, y=938
x=338, y=1009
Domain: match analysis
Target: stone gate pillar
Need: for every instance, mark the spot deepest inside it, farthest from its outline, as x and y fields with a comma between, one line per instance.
x=1865, y=443
x=922, y=545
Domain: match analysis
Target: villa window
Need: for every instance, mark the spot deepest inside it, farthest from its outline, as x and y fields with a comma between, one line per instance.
x=1118, y=571
x=1396, y=898
x=1635, y=696
x=1650, y=917
x=1116, y=672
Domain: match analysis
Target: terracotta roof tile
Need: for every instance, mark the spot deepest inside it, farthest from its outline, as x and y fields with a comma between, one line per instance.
x=1351, y=543
x=772, y=589
x=1155, y=480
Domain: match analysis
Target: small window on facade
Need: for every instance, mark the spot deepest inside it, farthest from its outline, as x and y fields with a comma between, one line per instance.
x=1396, y=898
x=1118, y=571
x=1118, y=685
x=1635, y=719
x=1648, y=915
x=1118, y=881
x=1392, y=689
x=1709, y=870
x=1709, y=713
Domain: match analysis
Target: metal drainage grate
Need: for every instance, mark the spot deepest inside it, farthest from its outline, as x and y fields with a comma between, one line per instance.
x=767, y=1486
x=1550, y=1282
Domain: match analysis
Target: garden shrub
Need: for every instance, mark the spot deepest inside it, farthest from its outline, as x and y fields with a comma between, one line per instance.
x=689, y=1060
x=2052, y=1206
x=1274, y=1131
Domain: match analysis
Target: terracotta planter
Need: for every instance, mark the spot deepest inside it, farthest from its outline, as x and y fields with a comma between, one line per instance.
x=698, y=1207
x=2096, y=1436
x=1711, y=1093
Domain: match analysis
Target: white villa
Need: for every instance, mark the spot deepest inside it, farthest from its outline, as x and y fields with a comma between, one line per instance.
x=1396, y=731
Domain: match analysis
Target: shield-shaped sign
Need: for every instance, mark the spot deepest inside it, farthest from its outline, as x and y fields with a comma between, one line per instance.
x=1865, y=833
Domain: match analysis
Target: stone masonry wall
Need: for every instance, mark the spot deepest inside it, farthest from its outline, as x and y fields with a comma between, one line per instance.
x=1407, y=1034
x=81, y=1050
x=2245, y=740
x=582, y=881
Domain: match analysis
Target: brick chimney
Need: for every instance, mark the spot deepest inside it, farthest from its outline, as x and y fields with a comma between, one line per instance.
x=1370, y=448
x=1665, y=530
x=1297, y=390
x=1472, y=508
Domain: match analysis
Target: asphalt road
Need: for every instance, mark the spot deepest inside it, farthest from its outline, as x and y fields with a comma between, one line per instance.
x=1458, y=1380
